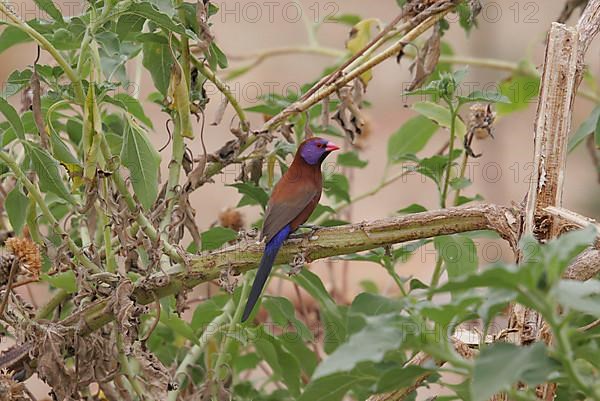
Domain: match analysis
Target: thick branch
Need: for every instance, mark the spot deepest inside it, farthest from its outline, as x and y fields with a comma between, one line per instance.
x=326, y=242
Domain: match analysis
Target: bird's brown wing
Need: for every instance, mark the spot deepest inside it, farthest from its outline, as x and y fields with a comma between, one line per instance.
x=279, y=214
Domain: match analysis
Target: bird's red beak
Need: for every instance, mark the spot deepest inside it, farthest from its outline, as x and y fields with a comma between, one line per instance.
x=331, y=147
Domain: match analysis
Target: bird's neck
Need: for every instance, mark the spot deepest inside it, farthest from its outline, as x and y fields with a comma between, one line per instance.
x=310, y=174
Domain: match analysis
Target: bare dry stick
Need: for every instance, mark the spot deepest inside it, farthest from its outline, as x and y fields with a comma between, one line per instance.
x=563, y=69
x=441, y=10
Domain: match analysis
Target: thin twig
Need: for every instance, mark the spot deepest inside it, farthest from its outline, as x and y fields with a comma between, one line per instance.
x=11, y=277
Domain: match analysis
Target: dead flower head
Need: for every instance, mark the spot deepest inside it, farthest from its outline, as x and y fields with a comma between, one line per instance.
x=232, y=218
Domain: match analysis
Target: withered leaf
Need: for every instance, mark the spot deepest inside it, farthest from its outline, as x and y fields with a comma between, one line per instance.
x=426, y=60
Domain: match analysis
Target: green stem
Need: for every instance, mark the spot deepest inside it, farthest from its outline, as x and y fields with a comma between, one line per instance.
x=128, y=370
x=392, y=272
x=196, y=351
x=174, y=172
x=224, y=89
x=384, y=183
x=17, y=22
x=143, y=222
x=234, y=320
x=45, y=311
x=437, y=274
x=37, y=196
x=453, y=113
x=111, y=262
x=259, y=58
x=463, y=169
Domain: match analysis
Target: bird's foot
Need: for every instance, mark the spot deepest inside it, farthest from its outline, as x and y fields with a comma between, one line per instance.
x=313, y=229
x=297, y=264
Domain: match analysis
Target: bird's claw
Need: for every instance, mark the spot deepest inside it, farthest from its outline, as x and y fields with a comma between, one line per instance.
x=297, y=264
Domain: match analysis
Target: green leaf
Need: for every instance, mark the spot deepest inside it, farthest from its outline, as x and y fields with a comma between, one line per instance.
x=151, y=12
x=399, y=377
x=283, y=314
x=459, y=253
x=351, y=159
x=460, y=183
x=305, y=356
x=65, y=281
x=16, y=208
x=380, y=335
x=11, y=36
x=217, y=236
x=440, y=115
x=414, y=208
x=597, y=134
x=255, y=193
x=370, y=304
x=178, y=325
x=206, y=311
x=158, y=60
x=346, y=19
x=132, y=105
x=521, y=90
x=411, y=138
x=500, y=365
x=369, y=286
x=218, y=55
x=587, y=127
x=49, y=7
x=61, y=151
x=484, y=96
x=337, y=186
x=580, y=296
x=16, y=81
x=48, y=171
x=13, y=118
x=143, y=161
x=333, y=320
x=331, y=388
x=465, y=17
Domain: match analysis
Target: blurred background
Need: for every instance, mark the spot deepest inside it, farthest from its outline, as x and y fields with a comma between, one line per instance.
x=508, y=30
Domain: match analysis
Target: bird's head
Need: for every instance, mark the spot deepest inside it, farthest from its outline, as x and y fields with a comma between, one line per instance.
x=315, y=150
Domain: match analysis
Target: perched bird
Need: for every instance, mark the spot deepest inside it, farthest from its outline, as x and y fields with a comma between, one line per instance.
x=293, y=200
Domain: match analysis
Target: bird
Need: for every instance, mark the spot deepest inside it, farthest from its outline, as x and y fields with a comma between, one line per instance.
x=292, y=202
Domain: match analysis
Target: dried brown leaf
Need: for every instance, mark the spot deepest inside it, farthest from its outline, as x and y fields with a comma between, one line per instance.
x=153, y=373
x=126, y=312
x=426, y=60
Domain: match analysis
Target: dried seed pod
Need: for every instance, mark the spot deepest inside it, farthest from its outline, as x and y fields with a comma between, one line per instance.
x=232, y=218
x=27, y=252
x=481, y=120
x=6, y=262
x=10, y=389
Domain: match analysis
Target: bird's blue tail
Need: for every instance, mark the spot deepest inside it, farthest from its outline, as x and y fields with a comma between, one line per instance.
x=264, y=268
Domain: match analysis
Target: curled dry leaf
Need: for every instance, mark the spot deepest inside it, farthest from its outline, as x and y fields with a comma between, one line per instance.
x=349, y=114
x=36, y=108
x=49, y=349
x=205, y=36
x=287, y=131
x=126, y=312
x=220, y=111
x=153, y=373
x=426, y=59
x=196, y=177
